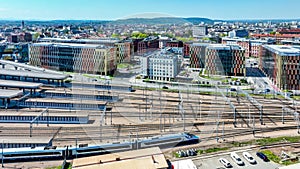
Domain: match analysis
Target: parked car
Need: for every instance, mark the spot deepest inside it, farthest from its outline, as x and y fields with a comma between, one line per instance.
x=236, y=158
x=225, y=162
x=165, y=87
x=181, y=153
x=233, y=89
x=170, y=166
x=262, y=156
x=192, y=152
x=249, y=158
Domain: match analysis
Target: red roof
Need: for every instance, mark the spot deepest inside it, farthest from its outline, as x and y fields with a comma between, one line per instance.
x=277, y=35
x=296, y=30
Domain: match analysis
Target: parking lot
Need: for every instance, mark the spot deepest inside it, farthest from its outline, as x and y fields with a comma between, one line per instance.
x=213, y=162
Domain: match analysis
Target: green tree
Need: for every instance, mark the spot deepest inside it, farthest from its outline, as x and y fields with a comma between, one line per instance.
x=169, y=35
x=183, y=39
x=139, y=35
x=115, y=35
x=190, y=33
x=100, y=31
x=222, y=35
x=66, y=31
x=36, y=35
x=205, y=38
x=154, y=34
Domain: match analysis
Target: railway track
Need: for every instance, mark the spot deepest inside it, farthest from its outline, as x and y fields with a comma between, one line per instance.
x=204, y=126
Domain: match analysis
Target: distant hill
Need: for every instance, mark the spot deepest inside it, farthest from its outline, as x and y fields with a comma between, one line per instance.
x=159, y=20
x=163, y=20
x=196, y=20
x=264, y=20
x=54, y=22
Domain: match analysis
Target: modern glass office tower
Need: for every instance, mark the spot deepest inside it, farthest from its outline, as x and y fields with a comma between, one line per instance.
x=83, y=58
x=281, y=64
x=226, y=60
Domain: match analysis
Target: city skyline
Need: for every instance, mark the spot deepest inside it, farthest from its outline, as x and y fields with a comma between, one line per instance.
x=120, y=9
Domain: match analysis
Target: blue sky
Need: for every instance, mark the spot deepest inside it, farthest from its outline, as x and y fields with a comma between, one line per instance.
x=118, y=9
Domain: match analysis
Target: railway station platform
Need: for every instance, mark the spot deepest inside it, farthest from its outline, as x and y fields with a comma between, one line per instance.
x=7, y=95
x=19, y=142
x=65, y=104
x=7, y=84
x=97, y=86
x=23, y=66
x=10, y=89
x=21, y=75
x=80, y=95
x=57, y=118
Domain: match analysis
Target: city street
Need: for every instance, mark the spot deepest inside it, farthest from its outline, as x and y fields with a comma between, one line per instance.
x=261, y=82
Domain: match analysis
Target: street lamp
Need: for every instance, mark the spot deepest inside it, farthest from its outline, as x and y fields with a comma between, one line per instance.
x=200, y=102
x=253, y=131
x=282, y=115
x=265, y=91
x=2, y=159
x=76, y=143
x=249, y=114
x=285, y=94
x=297, y=118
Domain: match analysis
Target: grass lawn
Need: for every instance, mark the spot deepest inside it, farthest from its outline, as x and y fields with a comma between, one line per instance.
x=124, y=65
x=273, y=157
x=296, y=97
x=268, y=141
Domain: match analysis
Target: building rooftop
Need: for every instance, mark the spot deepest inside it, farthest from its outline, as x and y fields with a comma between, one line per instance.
x=187, y=164
x=29, y=67
x=75, y=100
x=284, y=50
x=74, y=45
x=199, y=44
x=260, y=41
x=80, y=41
x=150, y=38
x=290, y=41
x=163, y=54
x=224, y=47
x=277, y=35
x=235, y=39
x=19, y=84
x=32, y=74
x=6, y=94
x=151, y=158
x=60, y=114
x=164, y=38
